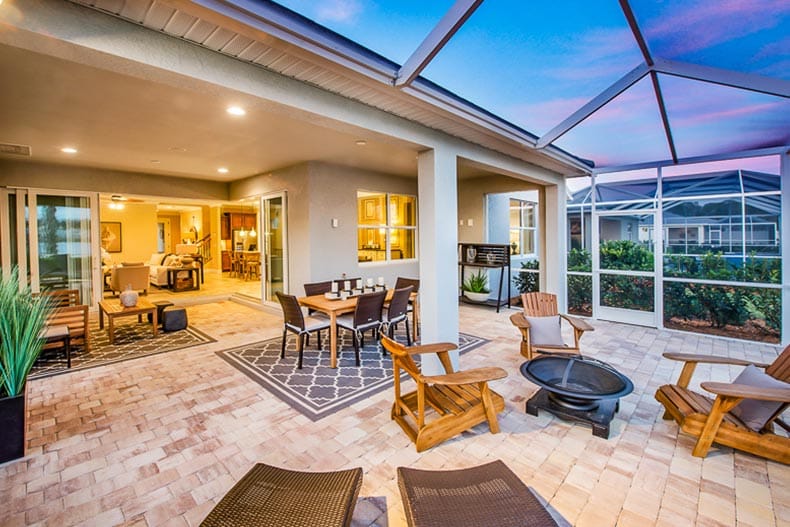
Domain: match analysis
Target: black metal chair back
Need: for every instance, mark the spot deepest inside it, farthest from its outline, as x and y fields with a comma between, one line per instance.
x=318, y=288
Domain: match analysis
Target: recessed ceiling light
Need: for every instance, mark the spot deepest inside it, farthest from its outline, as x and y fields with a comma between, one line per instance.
x=68, y=150
x=361, y=142
x=155, y=161
x=178, y=149
x=236, y=110
x=222, y=170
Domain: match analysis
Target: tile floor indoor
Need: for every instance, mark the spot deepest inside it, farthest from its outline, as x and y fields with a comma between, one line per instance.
x=159, y=440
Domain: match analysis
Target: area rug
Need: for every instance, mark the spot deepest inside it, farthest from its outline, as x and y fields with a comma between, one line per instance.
x=132, y=340
x=317, y=390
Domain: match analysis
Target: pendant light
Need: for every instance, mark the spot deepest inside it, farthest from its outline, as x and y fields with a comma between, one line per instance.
x=253, y=234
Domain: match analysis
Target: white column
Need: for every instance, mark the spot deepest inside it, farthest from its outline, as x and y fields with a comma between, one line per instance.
x=554, y=258
x=438, y=219
x=785, y=186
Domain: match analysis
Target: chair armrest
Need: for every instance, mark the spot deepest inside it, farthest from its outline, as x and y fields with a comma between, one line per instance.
x=747, y=392
x=436, y=347
x=468, y=376
x=518, y=320
x=578, y=323
x=710, y=359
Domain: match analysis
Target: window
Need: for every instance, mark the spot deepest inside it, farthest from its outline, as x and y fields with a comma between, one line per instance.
x=523, y=226
x=386, y=233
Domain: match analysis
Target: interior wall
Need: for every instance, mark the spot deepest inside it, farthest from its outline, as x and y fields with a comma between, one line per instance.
x=138, y=231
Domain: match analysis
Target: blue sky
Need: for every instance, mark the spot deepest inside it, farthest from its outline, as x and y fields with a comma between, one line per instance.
x=534, y=63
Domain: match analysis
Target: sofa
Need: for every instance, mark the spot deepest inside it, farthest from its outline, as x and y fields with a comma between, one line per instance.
x=158, y=264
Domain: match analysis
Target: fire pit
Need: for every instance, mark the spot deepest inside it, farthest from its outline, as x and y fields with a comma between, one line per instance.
x=577, y=388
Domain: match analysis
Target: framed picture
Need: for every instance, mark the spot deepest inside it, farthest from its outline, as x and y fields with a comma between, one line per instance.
x=110, y=232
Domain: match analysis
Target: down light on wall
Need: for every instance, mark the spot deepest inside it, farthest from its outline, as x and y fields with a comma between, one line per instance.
x=236, y=110
x=68, y=150
x=116, y=202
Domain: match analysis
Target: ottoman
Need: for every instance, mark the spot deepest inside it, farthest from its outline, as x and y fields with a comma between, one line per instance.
x=160, y=307
x=174, y=318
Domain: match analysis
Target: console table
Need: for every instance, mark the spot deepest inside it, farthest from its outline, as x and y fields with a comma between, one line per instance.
x=193, y=280
x=486, y=256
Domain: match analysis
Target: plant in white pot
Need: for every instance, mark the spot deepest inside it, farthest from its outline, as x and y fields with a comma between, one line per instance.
x=22, y=318
x=476, y=287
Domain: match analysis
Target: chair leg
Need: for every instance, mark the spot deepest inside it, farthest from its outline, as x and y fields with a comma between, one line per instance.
x=282, y=351
x=320, y=341
x=355, y=340
x=408, y=333
x=301, y=349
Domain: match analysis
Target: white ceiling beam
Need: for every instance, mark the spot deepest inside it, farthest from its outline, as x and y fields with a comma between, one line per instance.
x=743, y=154
x=450, y=23
x=662, y=108
x=734, y=79
x=628, y=80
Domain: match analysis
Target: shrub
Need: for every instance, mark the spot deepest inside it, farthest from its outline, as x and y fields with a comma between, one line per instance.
x=579, y=260
x=625, y=255
x=527, y=282
x=580, y=295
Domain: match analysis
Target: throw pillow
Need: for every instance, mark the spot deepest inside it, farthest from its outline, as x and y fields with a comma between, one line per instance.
x=753, y=412
x=545, y=331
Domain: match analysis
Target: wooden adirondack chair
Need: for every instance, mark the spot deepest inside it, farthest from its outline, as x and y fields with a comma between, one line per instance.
x=545, y=305
x=459, y=400
x=714, y=420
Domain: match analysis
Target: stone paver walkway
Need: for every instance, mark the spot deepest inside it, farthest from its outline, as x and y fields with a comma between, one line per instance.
x=158, y=441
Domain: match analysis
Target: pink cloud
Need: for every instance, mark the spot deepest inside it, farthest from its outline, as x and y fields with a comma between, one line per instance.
x=692, y=26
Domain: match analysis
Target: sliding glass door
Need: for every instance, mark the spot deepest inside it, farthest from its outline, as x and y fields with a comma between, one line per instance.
x=51, y=239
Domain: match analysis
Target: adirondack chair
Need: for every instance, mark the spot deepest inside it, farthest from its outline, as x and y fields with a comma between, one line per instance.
x=539, y=324
x=459, y=400
x=743, y=413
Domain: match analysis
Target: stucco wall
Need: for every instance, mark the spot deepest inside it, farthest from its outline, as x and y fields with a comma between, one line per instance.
x=472, y=203
x=317, y=193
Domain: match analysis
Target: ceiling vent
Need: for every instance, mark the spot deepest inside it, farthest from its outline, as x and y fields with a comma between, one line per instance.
x=15, y=150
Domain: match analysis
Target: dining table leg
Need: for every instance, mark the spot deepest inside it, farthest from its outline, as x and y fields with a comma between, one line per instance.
x=333, y=339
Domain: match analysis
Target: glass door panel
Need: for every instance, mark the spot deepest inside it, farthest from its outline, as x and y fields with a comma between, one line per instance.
x=63, y=233
x=626, y=268
x=275, y=245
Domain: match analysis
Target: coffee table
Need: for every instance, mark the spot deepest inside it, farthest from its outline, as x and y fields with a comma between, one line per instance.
x=114, y=309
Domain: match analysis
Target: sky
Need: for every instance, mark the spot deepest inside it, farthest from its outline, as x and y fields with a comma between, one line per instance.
x=534, y=63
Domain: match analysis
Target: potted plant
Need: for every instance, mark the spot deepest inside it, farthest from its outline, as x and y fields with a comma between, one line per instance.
x=22, y=319
x=476, y=287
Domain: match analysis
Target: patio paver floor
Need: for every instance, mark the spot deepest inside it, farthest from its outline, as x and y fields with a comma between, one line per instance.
x=158, y=441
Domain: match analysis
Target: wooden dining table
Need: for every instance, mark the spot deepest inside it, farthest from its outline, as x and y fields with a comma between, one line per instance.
x=335, y=307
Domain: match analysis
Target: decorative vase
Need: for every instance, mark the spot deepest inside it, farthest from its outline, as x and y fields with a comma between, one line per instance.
x=471, y=254
x=12, y=427
x=129, y=297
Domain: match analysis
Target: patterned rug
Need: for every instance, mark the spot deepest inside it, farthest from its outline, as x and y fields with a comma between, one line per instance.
x=317, y=390
x=132, y=340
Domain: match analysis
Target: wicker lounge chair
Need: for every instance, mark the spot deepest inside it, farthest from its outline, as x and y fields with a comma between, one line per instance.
x=489, y=494
x=269, y=495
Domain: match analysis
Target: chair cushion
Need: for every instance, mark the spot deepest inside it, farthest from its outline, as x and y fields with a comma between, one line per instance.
x=132, y=264
x=545, y=331
x=314, y=324
x=346, y=321
x=755, y=413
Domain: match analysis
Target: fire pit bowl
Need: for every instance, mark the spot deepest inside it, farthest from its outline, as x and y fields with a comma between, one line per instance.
x=577, y=388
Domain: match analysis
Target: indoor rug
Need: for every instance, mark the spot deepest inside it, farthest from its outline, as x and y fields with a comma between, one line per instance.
x=132, y=340
x=317, y=390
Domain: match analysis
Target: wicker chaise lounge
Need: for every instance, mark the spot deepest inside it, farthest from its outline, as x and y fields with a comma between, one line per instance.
x=489, y=494
x=279, y=497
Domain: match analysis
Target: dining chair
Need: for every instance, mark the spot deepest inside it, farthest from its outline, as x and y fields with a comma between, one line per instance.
x=397, y=312
x=295, y=322
x=366, y=316
x=402, y=282
x=318, y=288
